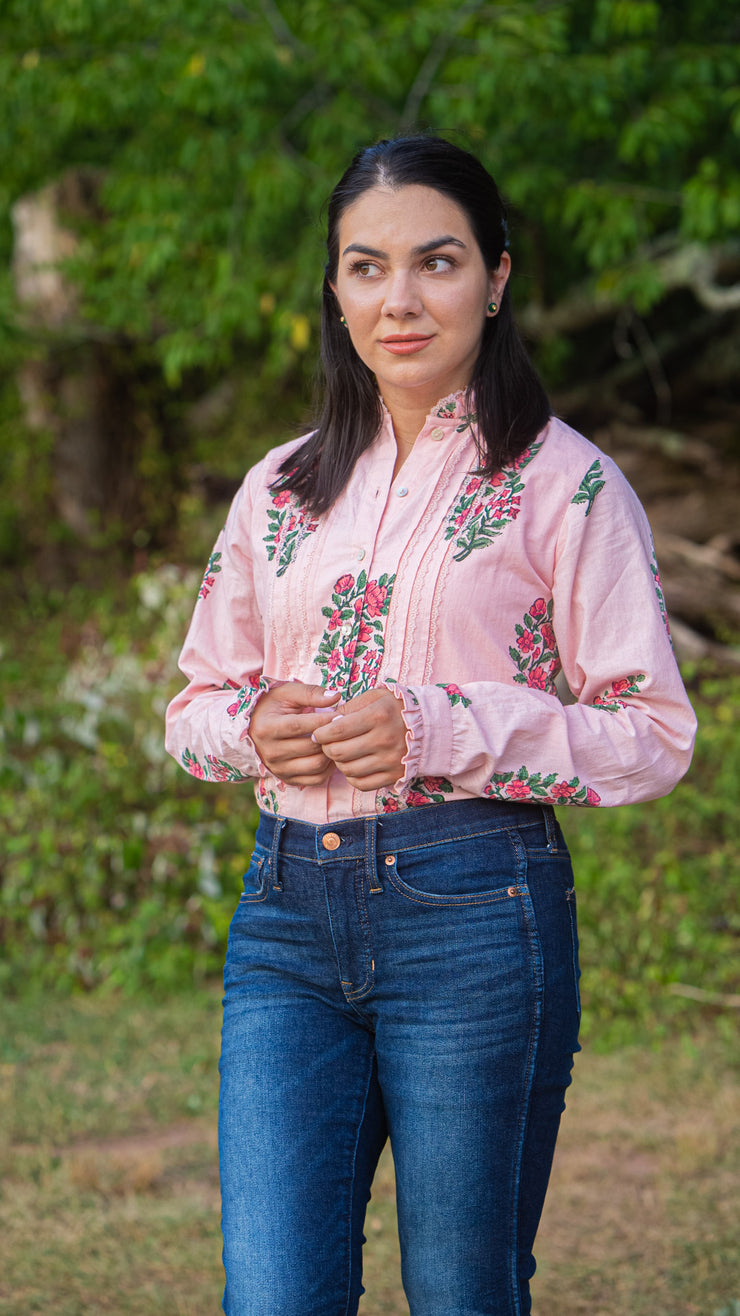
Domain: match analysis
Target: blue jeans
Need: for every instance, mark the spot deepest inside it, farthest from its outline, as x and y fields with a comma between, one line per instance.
x=412, y=975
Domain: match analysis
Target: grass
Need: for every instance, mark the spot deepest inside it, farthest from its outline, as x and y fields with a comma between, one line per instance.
x=109, y=1199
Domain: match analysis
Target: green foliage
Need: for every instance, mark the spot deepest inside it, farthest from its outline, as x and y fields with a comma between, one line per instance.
x=114, y=869
x=657, y=888
x=119, y=870
x=217, y=130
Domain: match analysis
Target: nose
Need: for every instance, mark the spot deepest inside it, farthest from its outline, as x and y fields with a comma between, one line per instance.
x=402, y=297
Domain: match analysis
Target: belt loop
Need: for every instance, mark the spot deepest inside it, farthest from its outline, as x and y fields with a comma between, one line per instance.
x=551, y=827
x=279, y=825
x=371, y=857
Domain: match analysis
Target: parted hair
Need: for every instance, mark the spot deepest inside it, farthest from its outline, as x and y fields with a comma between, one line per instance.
x=510, y=401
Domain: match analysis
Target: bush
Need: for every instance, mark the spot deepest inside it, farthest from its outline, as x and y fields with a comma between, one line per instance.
x=119, y=870
x=117, y=867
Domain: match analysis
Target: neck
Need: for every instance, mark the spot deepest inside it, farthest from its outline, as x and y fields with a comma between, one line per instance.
x=408, y=414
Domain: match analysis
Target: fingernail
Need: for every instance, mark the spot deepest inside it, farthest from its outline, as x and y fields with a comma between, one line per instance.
x=338, y=717
x=329, y=694
x=313, y=737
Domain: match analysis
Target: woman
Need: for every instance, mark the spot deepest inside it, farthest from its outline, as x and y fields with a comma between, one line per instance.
x=376, y=643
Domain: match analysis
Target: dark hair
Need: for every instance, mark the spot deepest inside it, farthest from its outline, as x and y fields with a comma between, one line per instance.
x=510, y=401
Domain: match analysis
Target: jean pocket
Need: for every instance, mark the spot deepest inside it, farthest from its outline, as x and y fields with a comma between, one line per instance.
x=472, y=871
x=255, y=878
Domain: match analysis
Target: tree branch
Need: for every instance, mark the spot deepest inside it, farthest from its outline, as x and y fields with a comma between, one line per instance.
x=431, y=62
x=692, y=266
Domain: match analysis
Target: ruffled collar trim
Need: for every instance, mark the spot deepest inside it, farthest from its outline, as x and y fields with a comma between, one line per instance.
x=457, y=407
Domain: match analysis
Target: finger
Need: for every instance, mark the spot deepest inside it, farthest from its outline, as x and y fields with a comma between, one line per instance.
x=352, y=751
x=375, y=781
x=347, y=726
x=308, y=769
x=367, y=697
x=298, y=726
x=308, y=696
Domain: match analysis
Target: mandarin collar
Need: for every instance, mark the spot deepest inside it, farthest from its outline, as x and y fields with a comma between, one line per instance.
x=454, y=413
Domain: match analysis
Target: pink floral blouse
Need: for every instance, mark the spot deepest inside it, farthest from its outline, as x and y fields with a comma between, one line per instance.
x=464, y=596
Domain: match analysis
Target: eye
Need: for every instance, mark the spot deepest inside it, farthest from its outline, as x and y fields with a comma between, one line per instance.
x=364, y=269
x=438, y=263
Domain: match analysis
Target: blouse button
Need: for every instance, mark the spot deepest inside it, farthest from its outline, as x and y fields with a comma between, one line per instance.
x=437, y=433
x=346, y=629
x=401, y=493
x=360, y=554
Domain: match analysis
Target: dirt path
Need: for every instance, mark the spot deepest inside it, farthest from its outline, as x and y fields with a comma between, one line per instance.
x=641, y=1219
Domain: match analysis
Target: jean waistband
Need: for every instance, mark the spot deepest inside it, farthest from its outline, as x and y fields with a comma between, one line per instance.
x=387, y=833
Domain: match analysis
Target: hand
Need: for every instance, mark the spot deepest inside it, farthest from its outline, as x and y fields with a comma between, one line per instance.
x=366, y=739
x=281, y=727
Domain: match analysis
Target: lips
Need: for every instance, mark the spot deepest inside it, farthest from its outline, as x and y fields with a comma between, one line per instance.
x=405, y=344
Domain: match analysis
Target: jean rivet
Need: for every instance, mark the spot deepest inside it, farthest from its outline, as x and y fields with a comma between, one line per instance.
x=511, y=890
x=390, y=859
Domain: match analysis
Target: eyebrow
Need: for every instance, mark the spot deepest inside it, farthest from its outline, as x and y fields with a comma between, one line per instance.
x=425, y=247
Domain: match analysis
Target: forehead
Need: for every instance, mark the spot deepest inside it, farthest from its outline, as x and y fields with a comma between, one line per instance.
x=403, y=216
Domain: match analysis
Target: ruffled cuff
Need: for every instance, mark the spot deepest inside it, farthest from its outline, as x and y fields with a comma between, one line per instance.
x=241, y=710
x=426, y=714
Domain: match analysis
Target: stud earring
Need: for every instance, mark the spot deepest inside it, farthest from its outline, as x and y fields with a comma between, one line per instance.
x=343, y=321
x=492, y=308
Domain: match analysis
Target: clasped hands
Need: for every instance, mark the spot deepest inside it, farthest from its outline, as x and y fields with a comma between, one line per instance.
x=302, y=734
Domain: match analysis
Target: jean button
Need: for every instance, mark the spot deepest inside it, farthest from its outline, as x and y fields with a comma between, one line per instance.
x=331, y=841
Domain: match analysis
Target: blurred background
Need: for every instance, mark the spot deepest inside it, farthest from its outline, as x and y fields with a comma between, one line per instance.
x=163, y=168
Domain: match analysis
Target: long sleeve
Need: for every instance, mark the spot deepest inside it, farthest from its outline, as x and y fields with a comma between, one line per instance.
x=630, y=734
x=207, y=723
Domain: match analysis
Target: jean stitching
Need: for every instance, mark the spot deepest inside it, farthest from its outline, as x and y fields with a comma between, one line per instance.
x=534, y=1035
x=484, y=898
x=369, y=982
x=423, y=845
x=261, y=894
x=348, y=1310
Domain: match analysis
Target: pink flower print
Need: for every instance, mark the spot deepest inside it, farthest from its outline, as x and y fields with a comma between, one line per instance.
x=562, y=791
x=548, y=635
x=375, y=597
x=517, y=790
x=196, y=770
x=473, y=485
x=526, y=642
x=281, y=498
x=433, y=784
x=233, y=709
x=335, y=660
x=537, y=678
x=538, y=609
x=348, y=648
x=459, y=519
x=344, y=584
x=371, y=661
x=620, y=685
x=592, y=798
x=477, y=509
x=453, y=690
x=358, y=604
x=365, y=633
x=335, y=620
x=354, y=672
x=414, y=799
x=390, y=805
x=291, y=524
